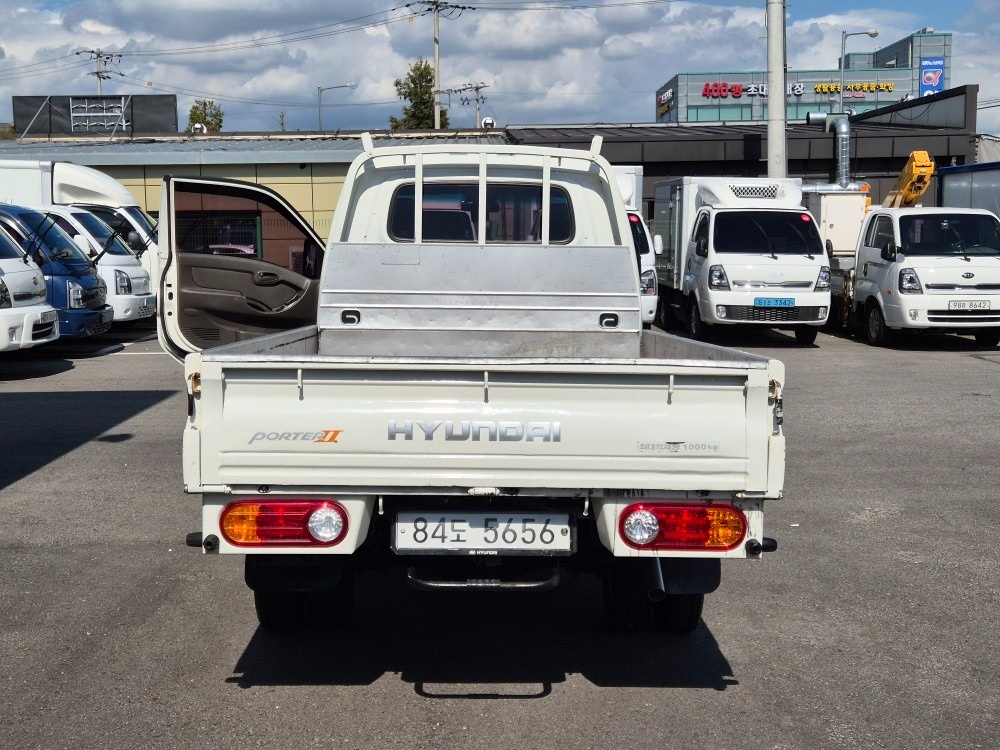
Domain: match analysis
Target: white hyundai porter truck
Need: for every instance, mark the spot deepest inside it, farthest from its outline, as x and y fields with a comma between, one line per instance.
x=456, y=388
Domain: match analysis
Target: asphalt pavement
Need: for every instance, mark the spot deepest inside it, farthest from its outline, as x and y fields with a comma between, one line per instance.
x=873, y=626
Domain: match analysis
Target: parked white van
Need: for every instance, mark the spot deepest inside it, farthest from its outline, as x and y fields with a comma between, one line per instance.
x=128, y=282
x=26, y=319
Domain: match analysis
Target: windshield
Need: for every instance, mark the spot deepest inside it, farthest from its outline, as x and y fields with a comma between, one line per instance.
x=950, y=234
x=9, y=249
x=102, y=233
x=767, y=232
x=51, y=241
x=142, y=220
x=638, y=234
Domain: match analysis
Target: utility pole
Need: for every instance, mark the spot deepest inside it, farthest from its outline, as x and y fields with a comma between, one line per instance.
x=479, y=98
x=776, y=159
x=437, y=66
x=101, y=59
x=436, y=6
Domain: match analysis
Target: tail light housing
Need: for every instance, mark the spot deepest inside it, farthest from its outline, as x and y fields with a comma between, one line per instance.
x=682, y=526
x=312, y=523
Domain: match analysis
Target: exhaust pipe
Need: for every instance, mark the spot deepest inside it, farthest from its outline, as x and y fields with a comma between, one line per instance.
x=657, y=590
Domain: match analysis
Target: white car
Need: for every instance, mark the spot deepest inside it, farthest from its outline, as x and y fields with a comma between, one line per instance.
x=26, y=319
x=129, y=292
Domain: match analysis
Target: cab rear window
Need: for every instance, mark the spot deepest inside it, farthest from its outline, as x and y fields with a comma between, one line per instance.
x=450, y=213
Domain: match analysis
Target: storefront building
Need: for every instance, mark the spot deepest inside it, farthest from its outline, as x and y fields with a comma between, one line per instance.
x=912, y=67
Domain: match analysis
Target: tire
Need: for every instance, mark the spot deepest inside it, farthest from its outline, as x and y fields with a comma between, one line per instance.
x=876, y=333
x=806, y=335
x=626, y=601
x=678, y=613
x=331, y=610
x=697, y=328
x=988, y=337
x=279, y=610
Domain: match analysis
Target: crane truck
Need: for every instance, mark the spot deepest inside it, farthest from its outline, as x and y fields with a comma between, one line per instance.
x=914, y=267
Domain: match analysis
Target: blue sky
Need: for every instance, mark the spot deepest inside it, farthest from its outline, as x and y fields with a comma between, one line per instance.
x=544, y=62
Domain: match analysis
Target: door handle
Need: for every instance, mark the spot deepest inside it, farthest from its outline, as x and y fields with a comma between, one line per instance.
x=265, y=278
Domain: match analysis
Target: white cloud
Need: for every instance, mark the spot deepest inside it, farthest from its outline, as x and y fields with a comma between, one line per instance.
x=563, y=66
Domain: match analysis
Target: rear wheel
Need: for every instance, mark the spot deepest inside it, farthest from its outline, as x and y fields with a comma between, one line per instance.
x=876, y=333
x=279, y=610
x=331, y=610
x=626, y=599
x=988, y=337
x=678, y=613
x=806, y=335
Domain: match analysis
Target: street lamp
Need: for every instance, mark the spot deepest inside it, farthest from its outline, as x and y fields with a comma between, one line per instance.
x=319, y=98
x=843, y=53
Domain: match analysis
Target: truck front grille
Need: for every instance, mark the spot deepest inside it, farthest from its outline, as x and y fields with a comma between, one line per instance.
x=41, y=331
x=772, y=314
x=982, y=317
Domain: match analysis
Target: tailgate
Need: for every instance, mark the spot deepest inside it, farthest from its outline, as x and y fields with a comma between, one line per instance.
x=450, y=427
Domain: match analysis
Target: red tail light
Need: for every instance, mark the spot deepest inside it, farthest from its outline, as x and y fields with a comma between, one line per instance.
x=682, y=526
x=253, y=523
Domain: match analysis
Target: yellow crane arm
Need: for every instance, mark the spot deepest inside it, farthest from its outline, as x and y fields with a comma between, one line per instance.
x=913, y=181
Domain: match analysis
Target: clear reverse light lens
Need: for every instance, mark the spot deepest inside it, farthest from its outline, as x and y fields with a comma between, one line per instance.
x=326, y=524
x=641, y=527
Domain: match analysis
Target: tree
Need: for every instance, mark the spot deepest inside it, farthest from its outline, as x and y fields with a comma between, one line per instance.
x=205, y=112
x=418, y=89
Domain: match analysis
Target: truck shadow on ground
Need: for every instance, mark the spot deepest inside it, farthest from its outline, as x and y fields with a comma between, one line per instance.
x=483, y=645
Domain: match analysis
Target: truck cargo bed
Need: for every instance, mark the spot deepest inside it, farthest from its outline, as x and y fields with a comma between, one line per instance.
x=683, y=416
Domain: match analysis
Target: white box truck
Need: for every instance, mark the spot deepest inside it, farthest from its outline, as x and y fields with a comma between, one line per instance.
x=450, y=397
x=28, y=182
x=739, y=251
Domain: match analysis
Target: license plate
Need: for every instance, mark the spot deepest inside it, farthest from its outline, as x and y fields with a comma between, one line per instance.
x=773, y=302
x=969, y=304
x=483, y=533
x=49, y=317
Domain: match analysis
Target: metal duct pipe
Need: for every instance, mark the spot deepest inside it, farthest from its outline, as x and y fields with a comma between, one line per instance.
x=842, y=127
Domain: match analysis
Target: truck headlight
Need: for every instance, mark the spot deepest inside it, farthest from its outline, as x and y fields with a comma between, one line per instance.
x=823, y=280
x=74, y=294
x=909, y=282
x=717, y=278
x=123, y=284
x=647, y=282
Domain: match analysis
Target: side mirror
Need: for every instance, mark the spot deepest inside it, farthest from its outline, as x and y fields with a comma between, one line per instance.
x=829, y=248
x=889, y=251
x=135, y=241
x=657, y=244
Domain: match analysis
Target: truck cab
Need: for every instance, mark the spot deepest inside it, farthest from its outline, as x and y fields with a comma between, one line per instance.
x=26, y=319
x=72, y=283
x=928, y=268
